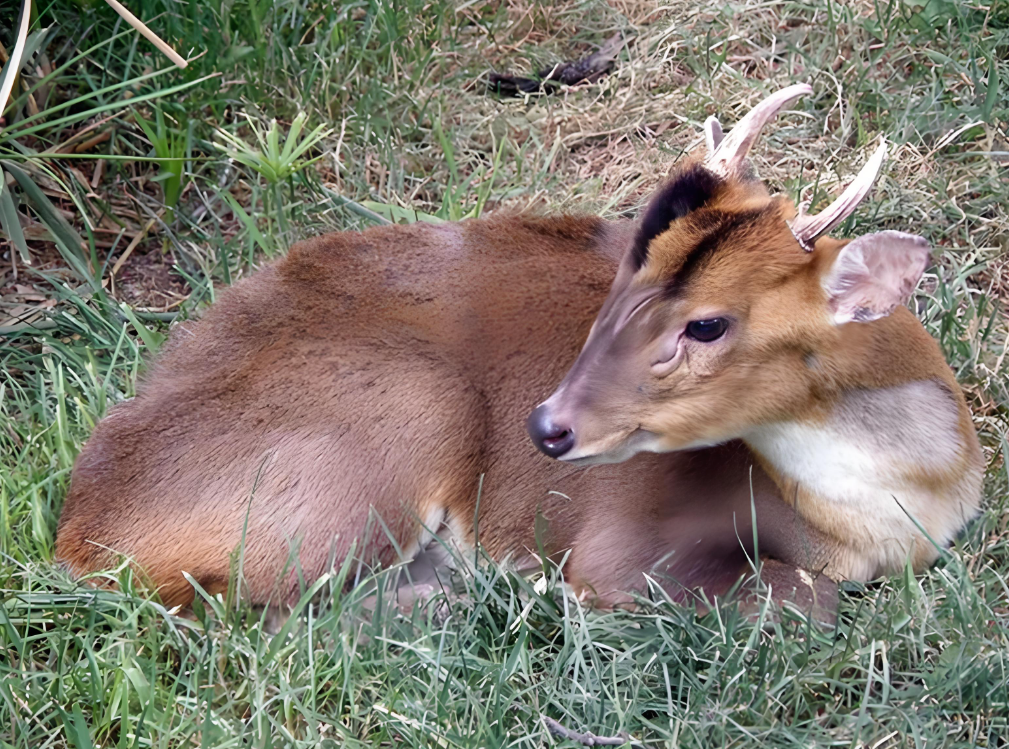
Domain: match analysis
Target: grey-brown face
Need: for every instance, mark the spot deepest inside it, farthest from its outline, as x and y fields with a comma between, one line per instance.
x=612, y=354
x=634, y=359
x=633, y=354
x=670, y=361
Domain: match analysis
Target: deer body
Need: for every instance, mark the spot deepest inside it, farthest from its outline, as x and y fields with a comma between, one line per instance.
x=349, y=398
x=357, y=390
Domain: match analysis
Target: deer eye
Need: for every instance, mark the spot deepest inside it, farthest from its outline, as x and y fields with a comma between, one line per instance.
x=707, y=330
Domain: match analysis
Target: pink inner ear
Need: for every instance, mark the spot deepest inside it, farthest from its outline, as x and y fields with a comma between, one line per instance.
x=874, y=274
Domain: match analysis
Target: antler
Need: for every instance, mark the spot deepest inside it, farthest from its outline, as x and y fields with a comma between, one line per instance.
x=727, y=155
x=806, y=228
x=712, y=133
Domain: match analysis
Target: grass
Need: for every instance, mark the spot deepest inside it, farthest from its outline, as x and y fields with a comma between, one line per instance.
x=143, y=189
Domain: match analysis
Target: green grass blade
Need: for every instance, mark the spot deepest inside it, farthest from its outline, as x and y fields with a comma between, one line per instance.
x=13, y=66
x=992, y=93
x=76, y=726
x=119, y=104
x=10, y=222
x=69, y=242
x=280, y=639
x=152, y=338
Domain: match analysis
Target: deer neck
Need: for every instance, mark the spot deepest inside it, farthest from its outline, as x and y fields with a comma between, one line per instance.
x=882, y=458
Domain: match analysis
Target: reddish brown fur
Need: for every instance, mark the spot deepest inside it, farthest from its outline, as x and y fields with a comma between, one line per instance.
x=382, y=373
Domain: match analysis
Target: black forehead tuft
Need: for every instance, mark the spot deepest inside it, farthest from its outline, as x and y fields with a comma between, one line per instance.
x=721, y=229
x=688, y=191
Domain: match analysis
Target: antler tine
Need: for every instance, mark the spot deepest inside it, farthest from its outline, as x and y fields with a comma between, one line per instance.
x=730, y=152
x=806, y=228
x=712, y=133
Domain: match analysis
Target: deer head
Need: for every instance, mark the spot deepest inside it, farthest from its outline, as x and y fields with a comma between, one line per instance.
x=726, y=310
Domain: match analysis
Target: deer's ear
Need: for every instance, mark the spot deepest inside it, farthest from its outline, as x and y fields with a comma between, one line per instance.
x=873, y=275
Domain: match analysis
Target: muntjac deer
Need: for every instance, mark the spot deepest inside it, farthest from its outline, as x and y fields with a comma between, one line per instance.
x=733, y=317
x=357, y=390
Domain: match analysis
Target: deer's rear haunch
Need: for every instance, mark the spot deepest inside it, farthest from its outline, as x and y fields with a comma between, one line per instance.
x=353, y=394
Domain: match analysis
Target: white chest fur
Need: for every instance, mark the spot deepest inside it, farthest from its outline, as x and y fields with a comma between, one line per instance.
x=864, y=467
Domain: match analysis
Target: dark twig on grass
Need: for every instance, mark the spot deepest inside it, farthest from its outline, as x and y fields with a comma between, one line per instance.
x=588, y=739
x=589, y=68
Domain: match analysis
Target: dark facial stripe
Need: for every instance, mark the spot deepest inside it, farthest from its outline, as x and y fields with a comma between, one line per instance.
x=722, y=227
x=688, y=191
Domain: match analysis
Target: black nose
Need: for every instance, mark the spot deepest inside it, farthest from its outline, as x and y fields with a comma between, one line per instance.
x=551, y=438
